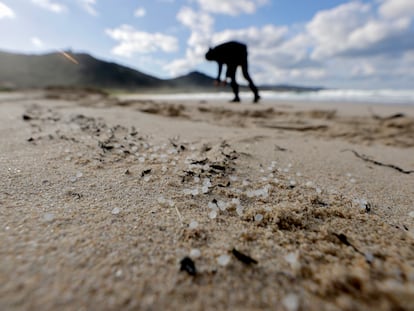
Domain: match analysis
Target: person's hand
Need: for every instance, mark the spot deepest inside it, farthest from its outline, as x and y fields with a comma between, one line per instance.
x=217, y=82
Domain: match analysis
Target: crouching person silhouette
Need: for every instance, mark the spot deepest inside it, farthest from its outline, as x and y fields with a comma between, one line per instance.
x=232, y=54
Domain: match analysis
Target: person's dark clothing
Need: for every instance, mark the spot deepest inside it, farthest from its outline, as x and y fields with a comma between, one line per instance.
x=233, y=54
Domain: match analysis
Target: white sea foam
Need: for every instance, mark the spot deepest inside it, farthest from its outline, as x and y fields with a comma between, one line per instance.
x=380, y=96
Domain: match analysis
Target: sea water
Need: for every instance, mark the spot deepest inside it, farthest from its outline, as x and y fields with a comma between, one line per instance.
x=379, y=96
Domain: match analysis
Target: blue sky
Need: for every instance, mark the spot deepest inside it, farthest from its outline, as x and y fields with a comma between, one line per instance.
x=332, y=43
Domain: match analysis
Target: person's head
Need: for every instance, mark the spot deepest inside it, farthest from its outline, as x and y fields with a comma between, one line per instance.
x=210, y=55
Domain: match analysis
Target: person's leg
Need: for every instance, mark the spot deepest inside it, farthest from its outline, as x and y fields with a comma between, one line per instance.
x=251, y=84
x=231, y=73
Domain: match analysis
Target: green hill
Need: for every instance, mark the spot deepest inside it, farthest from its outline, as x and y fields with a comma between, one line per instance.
x=54, y=69
x=32, y=71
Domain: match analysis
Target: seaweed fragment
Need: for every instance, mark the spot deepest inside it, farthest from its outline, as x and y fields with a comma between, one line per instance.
x=105, y=146
x=386, y=118
x=145, y=172
x=279, y=148
x=187, y=264
x=26, y=117
x=318, y=202
x=367, y=159
x=178, y=147
x=296, y=128
x=233, y=155
x=218, y=167
x=243, y=257
x=224, y=185
x=200, y=162
x=205, y=148
x=343, y=238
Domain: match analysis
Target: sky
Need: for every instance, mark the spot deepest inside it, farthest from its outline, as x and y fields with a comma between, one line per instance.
x=364, y=44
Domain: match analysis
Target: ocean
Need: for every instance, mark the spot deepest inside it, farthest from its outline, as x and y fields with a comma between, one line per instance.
x=380, y=96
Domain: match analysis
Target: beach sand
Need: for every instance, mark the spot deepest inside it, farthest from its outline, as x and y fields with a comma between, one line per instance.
x=102, y=197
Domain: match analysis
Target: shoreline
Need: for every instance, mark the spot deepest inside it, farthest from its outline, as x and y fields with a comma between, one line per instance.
x=344, y=96
x=360, y=97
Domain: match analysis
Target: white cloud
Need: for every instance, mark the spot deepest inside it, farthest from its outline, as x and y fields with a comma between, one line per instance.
x=264, y=44
x=231, y=7
x=133, y=41
x=195, y=21
x=264, y=37
x=89, y=6
x=201, y=27
x=375, y=31
x=37, y=42
x=140, y=12
x=6, y=12
x=297, y=48
x=355, y=29
x=50, y=5
x=356, y=42
x=275, y=55
x=363, y=69
x=270, y=47
x=397, y=8
x=331, y=29
x=178, y=66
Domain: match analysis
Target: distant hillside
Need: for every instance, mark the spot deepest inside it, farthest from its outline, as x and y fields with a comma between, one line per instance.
x=54, y=69
x=200, y=80
x=193, y=78
x=27, y=71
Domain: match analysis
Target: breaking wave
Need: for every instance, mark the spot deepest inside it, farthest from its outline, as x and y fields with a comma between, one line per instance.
x=400, y=97
x=405, y=97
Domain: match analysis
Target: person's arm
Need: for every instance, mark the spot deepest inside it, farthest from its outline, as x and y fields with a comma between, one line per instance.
x=220, y=67
x=219, y=72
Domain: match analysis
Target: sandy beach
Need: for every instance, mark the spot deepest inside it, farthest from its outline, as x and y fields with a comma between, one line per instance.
x=276, y=206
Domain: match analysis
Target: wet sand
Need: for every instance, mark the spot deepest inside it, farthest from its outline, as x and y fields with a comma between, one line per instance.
x=102, y=197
